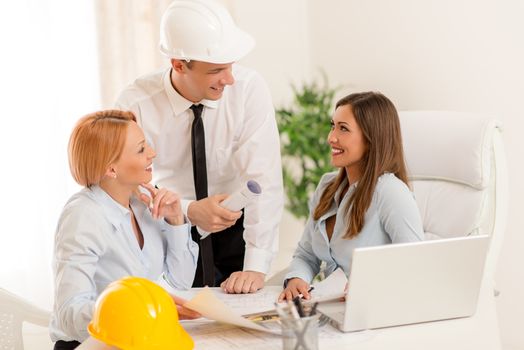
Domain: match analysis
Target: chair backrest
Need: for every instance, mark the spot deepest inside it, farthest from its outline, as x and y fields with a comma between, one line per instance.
x=457, y=169
x=13, y=312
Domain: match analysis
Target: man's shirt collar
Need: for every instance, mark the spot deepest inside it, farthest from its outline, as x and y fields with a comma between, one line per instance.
x=179, y=103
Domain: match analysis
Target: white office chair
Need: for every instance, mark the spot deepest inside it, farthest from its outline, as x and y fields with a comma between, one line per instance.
x=13, y=312
x=457, y=169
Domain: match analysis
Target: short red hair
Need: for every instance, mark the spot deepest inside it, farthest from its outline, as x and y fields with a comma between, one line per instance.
x=97, y=141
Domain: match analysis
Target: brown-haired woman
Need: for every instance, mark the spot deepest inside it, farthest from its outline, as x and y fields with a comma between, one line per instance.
x=368, y=202
x=109, y=229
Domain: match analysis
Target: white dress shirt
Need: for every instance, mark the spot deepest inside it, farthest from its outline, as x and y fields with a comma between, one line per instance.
x=96, y=245
x=392, y=217
x=242, y=143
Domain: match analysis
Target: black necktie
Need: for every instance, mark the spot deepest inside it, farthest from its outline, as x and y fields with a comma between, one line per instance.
x=198, y=153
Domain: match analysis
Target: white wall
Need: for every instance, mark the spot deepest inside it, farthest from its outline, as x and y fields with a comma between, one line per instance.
x=463, y=55
x=281, y=31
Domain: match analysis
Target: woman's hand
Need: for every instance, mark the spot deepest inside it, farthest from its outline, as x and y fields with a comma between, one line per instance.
x=295, y=286
x=163, y=203
x=183, y=312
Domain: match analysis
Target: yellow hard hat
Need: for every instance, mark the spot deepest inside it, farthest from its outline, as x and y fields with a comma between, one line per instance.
x=134, y=313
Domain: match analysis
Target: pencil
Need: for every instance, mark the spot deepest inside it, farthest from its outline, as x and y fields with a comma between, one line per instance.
x=264, y=318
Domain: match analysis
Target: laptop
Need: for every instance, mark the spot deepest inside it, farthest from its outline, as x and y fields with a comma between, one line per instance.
x=398, y=284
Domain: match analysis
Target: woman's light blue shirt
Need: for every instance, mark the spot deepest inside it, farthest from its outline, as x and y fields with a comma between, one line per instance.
x=96, y=245
x=392, y=217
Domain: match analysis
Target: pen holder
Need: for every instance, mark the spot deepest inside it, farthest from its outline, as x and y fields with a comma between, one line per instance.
x=300, y=334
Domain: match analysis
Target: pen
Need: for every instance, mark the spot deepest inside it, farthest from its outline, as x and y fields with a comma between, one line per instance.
x=309, y=291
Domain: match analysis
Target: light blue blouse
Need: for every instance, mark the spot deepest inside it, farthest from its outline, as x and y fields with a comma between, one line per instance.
x=392, y=217
x=95, y=245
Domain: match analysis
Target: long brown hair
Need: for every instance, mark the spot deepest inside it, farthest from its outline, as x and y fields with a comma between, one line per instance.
x=378, y=119
x=97, y=141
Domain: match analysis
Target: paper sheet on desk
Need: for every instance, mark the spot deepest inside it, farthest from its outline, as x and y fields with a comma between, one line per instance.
x=259, y=302
x=331, y=288
x=208, y=305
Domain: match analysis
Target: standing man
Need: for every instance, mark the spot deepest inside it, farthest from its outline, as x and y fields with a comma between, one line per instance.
x=213, y=125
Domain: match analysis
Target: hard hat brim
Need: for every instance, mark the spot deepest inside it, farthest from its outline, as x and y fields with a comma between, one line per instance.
x=239, y=46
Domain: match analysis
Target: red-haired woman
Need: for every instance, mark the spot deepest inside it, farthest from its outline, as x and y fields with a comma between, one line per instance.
x=110, y=229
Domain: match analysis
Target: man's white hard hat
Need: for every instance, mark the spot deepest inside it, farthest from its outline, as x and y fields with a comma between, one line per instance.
x=202, y=30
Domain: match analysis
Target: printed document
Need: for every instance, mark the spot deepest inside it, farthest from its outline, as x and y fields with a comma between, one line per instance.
x=216, y=305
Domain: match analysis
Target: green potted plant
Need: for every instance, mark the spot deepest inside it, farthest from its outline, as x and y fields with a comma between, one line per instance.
x=303, y=128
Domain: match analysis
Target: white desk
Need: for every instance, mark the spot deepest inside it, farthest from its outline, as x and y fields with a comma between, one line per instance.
x=479, y=332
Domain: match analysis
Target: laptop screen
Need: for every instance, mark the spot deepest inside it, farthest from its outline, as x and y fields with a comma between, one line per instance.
x=408, y=283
